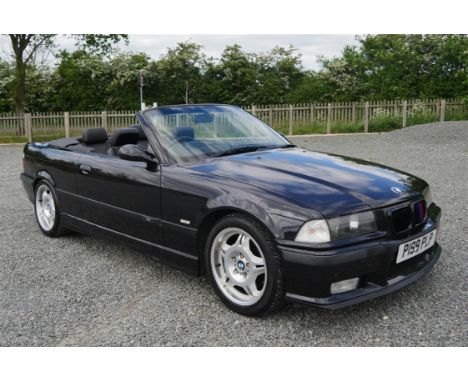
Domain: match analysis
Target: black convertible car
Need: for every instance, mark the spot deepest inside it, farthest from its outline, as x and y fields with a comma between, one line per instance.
x=210, y=188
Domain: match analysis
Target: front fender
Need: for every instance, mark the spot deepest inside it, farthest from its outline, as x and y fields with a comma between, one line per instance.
x=282, y=223
x=245, y=206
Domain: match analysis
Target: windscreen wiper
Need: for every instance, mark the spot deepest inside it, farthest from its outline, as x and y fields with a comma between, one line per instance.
x=239, y=150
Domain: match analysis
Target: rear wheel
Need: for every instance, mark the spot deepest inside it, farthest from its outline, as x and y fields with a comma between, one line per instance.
x=244, y=265
x=46, y=209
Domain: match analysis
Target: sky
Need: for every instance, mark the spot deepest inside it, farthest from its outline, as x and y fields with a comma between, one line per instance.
x=310, y=46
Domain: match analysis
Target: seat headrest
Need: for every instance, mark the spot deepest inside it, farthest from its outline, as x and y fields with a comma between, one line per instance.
x=184, y=133
x=141, y=132
x=125, y=136
x=94, y=135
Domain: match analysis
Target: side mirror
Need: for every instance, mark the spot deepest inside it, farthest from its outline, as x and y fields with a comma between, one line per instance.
x=136, y=154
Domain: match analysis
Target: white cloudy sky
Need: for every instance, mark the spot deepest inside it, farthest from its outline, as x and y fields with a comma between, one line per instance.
x=311, y=46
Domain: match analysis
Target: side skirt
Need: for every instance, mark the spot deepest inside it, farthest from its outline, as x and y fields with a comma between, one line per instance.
x=177, y=259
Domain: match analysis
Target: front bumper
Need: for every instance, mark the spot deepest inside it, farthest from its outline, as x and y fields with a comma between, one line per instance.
x=309, y=274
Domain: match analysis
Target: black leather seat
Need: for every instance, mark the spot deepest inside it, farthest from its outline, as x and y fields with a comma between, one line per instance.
x=142, y=138
x=93, y=139
x=120, y=137
x=184, y=133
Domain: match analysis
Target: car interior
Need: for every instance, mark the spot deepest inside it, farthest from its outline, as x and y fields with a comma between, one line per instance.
x=96, y=140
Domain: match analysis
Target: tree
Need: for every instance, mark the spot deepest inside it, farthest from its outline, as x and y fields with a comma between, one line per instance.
x=235, y=76
x=399, y=66
x=310, y=88
x=279, y=72
x=178, y=74
x=26, y=46
x=7, y=76
x=123, y=88
x=80, y=82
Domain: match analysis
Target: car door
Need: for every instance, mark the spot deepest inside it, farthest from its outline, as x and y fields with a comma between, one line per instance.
x=121, y=195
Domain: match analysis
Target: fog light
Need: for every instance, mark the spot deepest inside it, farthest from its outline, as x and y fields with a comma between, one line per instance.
x=344, y=286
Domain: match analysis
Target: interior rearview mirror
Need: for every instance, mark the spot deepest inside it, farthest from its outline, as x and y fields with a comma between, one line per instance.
x=136, y=154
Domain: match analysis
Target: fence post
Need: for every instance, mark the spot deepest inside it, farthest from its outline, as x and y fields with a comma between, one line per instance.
x=104, y=119
x=329, y=109
x=28, y=126
x=366, y=117
x=253, y=111
x=442, y=110
x=270, y=116
x=404, y=111
x=353, y=113
x=66, y=120
x=312, y=112
x=290, y=119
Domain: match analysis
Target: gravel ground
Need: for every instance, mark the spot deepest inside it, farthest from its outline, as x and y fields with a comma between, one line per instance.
x=78, y=290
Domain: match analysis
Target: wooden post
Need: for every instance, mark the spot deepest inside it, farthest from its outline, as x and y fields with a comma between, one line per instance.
x=353, y=113
x=442, y=110
x=28, y=126
x=329, y=109
x=253, y=111
x=290, y=120
x=312, y=112
x=366, y=117
x=270, y=116
x=404, y=112
x=66, y=120
x=104, y=119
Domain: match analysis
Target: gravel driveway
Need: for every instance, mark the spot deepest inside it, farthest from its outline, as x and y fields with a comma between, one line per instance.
x=78, y=290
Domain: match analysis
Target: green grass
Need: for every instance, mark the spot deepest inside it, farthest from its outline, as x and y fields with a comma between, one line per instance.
x=457, y=117
x=376, y=125
x=20, y=139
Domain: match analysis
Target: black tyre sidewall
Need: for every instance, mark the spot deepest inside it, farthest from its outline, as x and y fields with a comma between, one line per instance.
x=266, y=242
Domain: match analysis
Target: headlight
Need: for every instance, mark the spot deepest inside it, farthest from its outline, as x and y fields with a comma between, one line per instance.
x=321, y=231
x=427, y=196
x=314, y=231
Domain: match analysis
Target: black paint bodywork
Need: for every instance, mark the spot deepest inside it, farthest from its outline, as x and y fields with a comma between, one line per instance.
x=108, y=196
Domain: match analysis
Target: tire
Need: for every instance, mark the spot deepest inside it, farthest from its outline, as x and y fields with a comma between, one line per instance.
x=244, y=265
x=46, y=209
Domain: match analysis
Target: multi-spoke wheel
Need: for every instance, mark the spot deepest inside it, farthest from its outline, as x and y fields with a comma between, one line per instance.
x=244, y=265
x=47, y=209
x=238, y=266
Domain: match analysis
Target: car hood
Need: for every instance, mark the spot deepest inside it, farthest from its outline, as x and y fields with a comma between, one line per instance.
x=328, y=183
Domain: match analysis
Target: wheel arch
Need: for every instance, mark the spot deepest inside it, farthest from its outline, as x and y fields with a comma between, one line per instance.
x=42, y=174
x=215, y=215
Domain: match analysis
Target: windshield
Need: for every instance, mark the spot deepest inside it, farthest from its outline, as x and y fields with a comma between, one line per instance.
x=196, y=132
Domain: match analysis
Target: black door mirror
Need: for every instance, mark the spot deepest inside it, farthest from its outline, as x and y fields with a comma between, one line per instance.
x=136, y=154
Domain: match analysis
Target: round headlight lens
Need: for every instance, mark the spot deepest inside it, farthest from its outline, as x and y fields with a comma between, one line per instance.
x=314, y=231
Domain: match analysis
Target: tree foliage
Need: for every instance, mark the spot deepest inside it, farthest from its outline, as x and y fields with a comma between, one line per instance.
x=97, y=76
x=25, y=47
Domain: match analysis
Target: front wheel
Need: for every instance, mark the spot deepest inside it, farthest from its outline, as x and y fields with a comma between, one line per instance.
x=244, y=265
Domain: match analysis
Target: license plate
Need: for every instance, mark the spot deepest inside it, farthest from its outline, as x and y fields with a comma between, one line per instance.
x=416, y=246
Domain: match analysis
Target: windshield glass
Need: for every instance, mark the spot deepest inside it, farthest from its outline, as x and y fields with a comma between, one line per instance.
x=196, y=132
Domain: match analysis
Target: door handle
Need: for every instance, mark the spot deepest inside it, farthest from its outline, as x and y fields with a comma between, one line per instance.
x=85, y=169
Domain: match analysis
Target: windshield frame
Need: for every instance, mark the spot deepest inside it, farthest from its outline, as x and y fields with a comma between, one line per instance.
x=170, y=157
